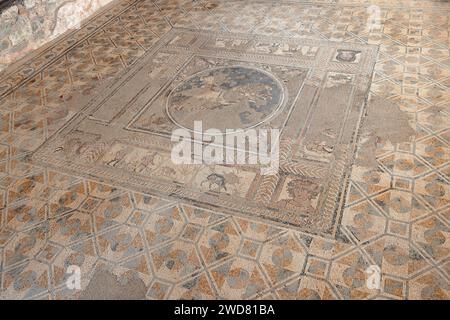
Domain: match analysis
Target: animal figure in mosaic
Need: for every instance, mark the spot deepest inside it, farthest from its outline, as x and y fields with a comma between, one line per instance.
x=147, y=161
x=79, y=144
x=215, y=180
x=118, y=156
x=269, y=47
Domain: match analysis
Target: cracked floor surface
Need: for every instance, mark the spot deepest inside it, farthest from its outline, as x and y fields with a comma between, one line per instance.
x=396, y=211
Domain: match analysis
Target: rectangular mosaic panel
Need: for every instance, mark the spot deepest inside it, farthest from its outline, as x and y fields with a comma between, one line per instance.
x=313, y=91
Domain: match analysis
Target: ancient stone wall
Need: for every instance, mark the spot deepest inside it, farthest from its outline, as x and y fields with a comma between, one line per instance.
x=28, y=24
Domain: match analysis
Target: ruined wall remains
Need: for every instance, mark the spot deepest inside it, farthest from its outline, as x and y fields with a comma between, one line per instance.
x=28, y=24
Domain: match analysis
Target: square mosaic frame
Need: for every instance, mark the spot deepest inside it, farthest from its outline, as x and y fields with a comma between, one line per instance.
x=325, y=74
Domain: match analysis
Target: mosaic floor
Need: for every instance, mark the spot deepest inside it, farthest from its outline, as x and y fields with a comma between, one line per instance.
x=65, y=200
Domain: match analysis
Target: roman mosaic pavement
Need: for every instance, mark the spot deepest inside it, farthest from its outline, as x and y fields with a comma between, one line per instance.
x=124, y=135
x=86, y=177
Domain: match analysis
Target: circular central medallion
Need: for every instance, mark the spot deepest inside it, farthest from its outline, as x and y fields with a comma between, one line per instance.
x=225, y=98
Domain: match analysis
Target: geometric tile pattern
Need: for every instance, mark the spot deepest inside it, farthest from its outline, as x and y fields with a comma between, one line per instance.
x=396, y=215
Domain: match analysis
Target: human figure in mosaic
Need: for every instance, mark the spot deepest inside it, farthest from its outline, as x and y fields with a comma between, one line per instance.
x=303, y=193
